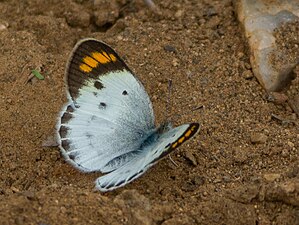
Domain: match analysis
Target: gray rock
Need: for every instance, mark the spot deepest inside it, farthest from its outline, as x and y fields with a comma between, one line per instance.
x=261, y=19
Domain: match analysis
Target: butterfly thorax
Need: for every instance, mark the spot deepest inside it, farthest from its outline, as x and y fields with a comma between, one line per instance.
x=164, y=127
x=155, y=134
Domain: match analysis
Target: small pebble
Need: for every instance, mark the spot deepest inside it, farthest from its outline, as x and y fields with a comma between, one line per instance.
x=258, y=138
x=270, y=177
x=169, y=48
x=247, y=74
x=77, y=17
x=2, y=27
x=277, y=98
x=179, y=13
x=240, y=155
x=291, y=144
x=175, y=62
x=190, y=157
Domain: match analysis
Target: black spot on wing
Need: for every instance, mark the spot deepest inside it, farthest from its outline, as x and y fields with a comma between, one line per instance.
x=125, y=92
x=89, y=135
x=98, y=85
x=95, y=93
x=76, y=76
x=167, y=145
x=102, y=105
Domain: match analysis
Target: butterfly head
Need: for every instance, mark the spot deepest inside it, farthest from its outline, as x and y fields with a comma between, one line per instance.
x=164, y=127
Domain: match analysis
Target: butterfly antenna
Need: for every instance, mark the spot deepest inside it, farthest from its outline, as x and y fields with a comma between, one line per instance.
x=168, y=103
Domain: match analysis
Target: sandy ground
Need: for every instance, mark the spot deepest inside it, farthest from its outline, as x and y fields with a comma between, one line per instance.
x=243, y=166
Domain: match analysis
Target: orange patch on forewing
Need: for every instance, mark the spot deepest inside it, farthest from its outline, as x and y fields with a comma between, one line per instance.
x=85, y=68
x=100, y=57
x=105, y=54
x=90, y=61
x=112, y=57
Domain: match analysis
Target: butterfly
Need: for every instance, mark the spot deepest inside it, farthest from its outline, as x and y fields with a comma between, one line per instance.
x=108, y=123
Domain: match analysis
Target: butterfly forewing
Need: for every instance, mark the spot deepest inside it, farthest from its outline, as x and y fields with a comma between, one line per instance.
x=108, y=114
x=89, y=61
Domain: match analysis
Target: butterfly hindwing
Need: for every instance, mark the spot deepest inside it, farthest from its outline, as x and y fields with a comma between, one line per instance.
x=143, y=160
x=108, y=114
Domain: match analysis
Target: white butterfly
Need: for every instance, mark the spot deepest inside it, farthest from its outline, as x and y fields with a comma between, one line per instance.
x=108, y=123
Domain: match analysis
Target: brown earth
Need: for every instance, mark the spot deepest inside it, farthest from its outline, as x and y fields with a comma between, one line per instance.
x=243, y=166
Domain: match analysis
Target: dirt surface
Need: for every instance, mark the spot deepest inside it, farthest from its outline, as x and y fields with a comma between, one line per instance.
x=242, y=168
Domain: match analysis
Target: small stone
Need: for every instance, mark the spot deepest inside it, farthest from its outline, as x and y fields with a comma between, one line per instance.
x=213, y=22
x=271, y=31
x=291, y=144
x=277, y=98
x=2, y=27
x=107, y=14
x=15, y=190
x=19, y=220
x=169, y=48
x=270, y=177
x=245, y=194
x=226, y=179
x=217, y=180
x=289, y=187
x=240, y=155
x=190, y=157
x=258, y=138
x=175, y=62
x=247, y=66
x=198, y=180
x=29, y=195
x=285, y=153
x=293, y=172
x=247, y=74
x=77, y=17
x=179, y=13
x=210, y=12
